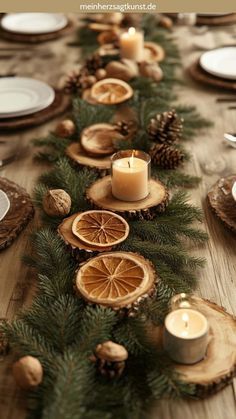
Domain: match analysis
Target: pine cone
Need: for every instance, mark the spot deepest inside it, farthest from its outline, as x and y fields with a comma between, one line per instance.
x=78, y=81
x=93, y=63
x=166, y=156
x=123, y=127
x=166, y=127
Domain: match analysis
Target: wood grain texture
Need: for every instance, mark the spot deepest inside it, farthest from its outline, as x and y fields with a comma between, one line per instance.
x=99, y=194
x=217, y=281
x=20, y=212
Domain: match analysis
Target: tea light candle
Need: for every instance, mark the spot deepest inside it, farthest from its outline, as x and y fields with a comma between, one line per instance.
x=186, y=336
x=130, y=175
x=132, y=45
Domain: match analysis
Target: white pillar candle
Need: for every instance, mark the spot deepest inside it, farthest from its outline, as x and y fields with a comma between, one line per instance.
x=186, y=336
x=132, y=45
x=129, y=178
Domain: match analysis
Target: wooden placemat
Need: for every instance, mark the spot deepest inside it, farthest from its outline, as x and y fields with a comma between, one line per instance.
x=20, y=212
x=59, y=106
x=198, y=74
x=222, y=202
x=35, y=39
x=217, y=20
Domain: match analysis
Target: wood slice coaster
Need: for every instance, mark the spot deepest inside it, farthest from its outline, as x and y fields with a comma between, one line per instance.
x=198, y=74
x=37, y=38
x=79, y=250
x=222, y=202
x=75, y=152
x=100, y=196
x=61, y=103
x=218, y=368
x=217, y=20
x=20, y=212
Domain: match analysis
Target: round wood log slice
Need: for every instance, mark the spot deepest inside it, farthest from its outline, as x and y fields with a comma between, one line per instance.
x=100, y=196
x=229, y=19
x=75, y=152
x=222, y=202
x=60, y=105
x=199, y=75
x=116, y=279
x=79, y=250
x=20, y=212
x=218, y=368
x=37, y=38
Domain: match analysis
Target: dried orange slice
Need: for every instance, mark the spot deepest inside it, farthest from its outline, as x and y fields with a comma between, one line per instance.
x=99, y=139
x=111, y=91
x=100, y=228
x=153, y=52
x=115, y=279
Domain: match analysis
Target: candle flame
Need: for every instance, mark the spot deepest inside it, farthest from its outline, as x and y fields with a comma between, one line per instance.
x=131, y=31
x=185, y=319
x=131, y=160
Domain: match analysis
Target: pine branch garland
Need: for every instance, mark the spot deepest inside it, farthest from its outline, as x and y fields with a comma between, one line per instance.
x=60, y=328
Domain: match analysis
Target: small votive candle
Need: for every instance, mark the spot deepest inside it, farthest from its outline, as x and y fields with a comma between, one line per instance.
x=185, y=336
x=130, y=173
x=132, y=45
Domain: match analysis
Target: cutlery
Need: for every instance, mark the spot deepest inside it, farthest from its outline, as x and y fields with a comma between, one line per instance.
x=231, y=139
x=232, y=107
x=226, y=99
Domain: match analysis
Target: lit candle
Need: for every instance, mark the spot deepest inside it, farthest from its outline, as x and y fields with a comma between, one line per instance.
x=132, y=45
x=185, y=336
x=130, y=175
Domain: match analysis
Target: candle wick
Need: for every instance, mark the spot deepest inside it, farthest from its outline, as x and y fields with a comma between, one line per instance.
x=129, y=164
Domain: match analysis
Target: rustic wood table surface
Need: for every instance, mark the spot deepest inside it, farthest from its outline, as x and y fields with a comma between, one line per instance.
x=217, y=280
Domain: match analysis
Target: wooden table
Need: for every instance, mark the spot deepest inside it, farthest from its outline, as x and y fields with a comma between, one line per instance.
x=216, y=282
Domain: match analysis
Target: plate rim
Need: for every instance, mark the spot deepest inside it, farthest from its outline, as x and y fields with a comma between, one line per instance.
x=41, y=32
x=41, y=105
x=216, y=73
x=3, y=193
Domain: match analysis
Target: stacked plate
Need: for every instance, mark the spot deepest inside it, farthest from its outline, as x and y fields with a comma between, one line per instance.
x=220, y=62
x=33, y=23
x=20, y=96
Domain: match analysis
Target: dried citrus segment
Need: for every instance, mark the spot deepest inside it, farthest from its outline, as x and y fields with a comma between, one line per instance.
x=111, y=91
x=99, y=139
x=153, y=52
x=115, y=279
x=100, y=228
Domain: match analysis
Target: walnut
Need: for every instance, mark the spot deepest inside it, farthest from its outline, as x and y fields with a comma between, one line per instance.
x=100, y=74
x=124, y=69
x=111, y=352
x=152, y=70
x=65, y=128
x=28, y=372
x=57, y=202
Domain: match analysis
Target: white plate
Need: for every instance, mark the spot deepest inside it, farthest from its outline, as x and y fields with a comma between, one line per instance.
x=234, y=191
x=220, y=62
x=22, y=96
x=4, y=204
x=34, y=23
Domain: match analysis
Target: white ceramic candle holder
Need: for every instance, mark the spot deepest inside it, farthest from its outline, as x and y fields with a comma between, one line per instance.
x=185, y=335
